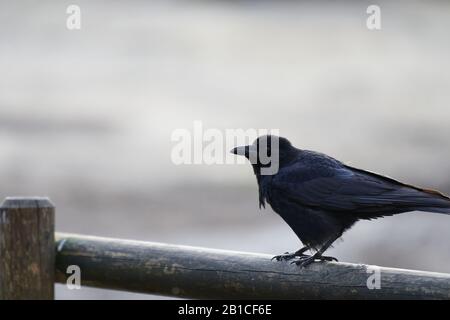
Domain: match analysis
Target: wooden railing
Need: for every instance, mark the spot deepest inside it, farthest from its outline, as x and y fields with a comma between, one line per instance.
x=33, y=258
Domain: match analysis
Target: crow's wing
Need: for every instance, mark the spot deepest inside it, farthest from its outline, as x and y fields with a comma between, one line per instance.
x=343, y=188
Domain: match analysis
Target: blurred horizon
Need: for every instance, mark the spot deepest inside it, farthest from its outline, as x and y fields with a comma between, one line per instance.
x=86, y=116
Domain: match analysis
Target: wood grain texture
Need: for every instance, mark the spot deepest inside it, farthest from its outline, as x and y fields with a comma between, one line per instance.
x=27, y=259
x=193, y=272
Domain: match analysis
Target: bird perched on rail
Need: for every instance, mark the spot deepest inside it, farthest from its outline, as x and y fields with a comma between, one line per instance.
x=320, y=197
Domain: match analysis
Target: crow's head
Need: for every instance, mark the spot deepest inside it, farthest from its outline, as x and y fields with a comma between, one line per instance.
x=267, y=153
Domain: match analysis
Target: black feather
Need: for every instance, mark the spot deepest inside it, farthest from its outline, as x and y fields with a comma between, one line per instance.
x=320, y=197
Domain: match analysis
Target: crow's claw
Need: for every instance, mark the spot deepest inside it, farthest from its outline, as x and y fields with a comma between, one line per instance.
x=302, y=262
x=328, y=258
x=289, y=256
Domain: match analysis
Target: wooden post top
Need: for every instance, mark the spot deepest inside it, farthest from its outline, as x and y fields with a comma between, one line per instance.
x=27, y=248
x=26, y=202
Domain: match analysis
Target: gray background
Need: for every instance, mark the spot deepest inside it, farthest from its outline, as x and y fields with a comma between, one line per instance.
x=86, y=116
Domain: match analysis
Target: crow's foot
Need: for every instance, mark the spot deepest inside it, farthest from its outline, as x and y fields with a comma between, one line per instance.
x=328, y=258
x=289, y=256
x=303, y=262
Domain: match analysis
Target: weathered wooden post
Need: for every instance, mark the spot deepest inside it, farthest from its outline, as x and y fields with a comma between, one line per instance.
x=27, y=248
x=203, y=273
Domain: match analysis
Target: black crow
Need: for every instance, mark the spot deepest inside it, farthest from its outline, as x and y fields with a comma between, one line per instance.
x=320, y=197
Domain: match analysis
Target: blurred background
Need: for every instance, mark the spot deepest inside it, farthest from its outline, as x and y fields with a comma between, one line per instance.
x=86, y=116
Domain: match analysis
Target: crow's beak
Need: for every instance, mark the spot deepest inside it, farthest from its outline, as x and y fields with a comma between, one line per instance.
x=240, y=151
x=243, y=151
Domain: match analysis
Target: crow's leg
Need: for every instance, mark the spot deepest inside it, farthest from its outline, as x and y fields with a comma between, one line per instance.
x=307, y=260
x=288, y=256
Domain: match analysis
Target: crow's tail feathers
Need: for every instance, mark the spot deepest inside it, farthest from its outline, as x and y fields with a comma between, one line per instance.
x=435, y=202
x=435, y=209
